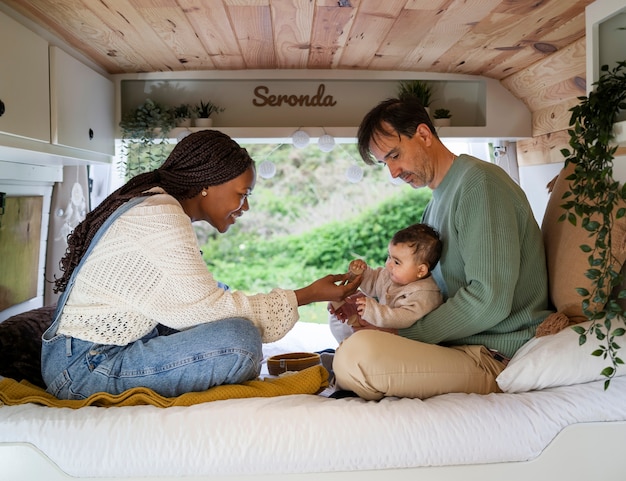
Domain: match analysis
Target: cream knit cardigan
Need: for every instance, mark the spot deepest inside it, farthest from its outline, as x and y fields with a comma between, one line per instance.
x=147, y=269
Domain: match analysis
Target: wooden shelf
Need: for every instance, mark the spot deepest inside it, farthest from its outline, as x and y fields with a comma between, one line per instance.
x=481, y=107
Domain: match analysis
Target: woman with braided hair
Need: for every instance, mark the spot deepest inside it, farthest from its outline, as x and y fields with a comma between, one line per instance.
x=134, y=264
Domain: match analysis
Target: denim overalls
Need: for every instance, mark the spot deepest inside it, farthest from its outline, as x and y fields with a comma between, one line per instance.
x=227, y=351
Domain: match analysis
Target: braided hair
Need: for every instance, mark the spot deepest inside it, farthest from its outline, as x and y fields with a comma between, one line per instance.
x=200, y=160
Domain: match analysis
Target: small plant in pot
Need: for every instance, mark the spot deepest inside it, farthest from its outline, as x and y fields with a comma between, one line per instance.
x=204, y=111
x=182, y=115
x=145, y=132
x=442, y=118
x=416, y=88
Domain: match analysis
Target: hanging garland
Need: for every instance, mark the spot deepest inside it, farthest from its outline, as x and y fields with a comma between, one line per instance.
x=594, y=198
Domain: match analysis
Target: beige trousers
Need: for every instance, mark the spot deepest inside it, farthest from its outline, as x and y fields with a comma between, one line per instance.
x=376, y=364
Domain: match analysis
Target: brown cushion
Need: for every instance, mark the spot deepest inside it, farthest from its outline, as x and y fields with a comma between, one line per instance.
x=567, y=263
x=20, y=344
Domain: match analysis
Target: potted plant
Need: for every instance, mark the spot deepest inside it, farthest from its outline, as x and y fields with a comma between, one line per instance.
x=204, y=111
x=182, y=115
x=416, y=88
x=145, y=132
x=442, y=118
x=595, y=197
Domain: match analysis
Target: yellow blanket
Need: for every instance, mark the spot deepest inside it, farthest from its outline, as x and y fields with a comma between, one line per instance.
x=308, y=381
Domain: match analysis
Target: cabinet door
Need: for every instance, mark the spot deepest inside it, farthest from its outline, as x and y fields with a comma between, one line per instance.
x=24, y=89
x=83, y=105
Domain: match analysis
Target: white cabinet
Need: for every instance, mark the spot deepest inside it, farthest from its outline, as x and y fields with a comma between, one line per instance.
x=606, y=40
x=24, y=93
x=605, y=36
x=82, y=105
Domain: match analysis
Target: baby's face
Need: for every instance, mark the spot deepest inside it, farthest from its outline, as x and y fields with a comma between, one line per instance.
x=401, y=264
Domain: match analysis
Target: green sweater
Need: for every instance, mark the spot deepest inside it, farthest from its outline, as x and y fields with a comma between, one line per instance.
x=492, y=271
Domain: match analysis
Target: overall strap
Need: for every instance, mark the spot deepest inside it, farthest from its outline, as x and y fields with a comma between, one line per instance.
x=103, y=228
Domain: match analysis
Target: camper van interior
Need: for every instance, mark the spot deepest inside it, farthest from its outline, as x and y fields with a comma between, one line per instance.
x=295, y=73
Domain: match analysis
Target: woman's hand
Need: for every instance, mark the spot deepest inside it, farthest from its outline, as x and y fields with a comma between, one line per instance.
x=333, y=287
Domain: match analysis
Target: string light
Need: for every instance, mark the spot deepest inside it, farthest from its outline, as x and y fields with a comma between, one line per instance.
x=300, y=139
x=326, y=143
x=354, y=174
x=267, y=169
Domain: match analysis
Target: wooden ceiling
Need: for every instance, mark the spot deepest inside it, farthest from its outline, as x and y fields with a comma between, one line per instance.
x=535, y=47
x=494, y=38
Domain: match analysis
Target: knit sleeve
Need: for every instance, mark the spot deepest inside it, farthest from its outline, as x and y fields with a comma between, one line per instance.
x=147, y=269
x=483, y=250
x=185, y=292
x=370, y=284
x=400, y=316
x=400, y=306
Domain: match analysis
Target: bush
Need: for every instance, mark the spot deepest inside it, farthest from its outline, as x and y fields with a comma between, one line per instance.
x=248, y=262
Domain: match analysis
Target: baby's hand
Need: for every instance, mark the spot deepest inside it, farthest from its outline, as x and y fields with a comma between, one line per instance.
x=348, y=312
x=360, y=305
x=357, y=266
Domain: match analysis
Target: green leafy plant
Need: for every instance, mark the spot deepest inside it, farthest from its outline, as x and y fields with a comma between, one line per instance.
x=205, y=110
x=416, y=88
x=594, y=197
x=442, y=114
x=144, y=137
x=182, y=111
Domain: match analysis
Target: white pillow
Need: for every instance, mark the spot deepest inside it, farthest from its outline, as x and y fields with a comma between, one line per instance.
x=555, y=360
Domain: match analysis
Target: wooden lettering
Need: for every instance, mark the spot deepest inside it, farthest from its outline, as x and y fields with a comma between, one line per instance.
x=263, y=98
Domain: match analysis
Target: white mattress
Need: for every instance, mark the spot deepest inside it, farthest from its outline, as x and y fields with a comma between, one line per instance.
x=305, y=433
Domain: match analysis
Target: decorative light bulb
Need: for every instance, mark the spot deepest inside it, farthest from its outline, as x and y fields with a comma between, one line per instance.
x=354, y=174
x=326, y=143
x=267, y=169
x=300, y=139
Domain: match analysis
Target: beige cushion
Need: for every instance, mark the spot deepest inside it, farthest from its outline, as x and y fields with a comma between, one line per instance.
x=567, y=263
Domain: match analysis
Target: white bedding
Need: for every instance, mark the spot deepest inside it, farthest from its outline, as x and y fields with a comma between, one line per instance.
x=305, y=433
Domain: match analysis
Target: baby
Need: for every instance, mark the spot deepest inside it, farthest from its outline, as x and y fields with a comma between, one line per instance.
x=397, y=295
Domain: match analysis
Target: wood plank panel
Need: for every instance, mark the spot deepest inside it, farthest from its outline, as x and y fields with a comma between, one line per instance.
x=331, y=27
x=544, y=149
x=169, y=22
x=212, y=26
x=293, y=21
x=253, y=28
x=553, y=80
x=20, y=241
x=368, y=31
x=77, y=26
x=450, y=23
x=512, y=27
x=465, y=56
x=543, y=47
x=392, y=53
x=134, y=29
x=552, y=118
x=495, y=38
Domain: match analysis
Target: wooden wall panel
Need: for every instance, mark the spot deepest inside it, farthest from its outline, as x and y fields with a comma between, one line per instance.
x=553, y=118
x=543, y=149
